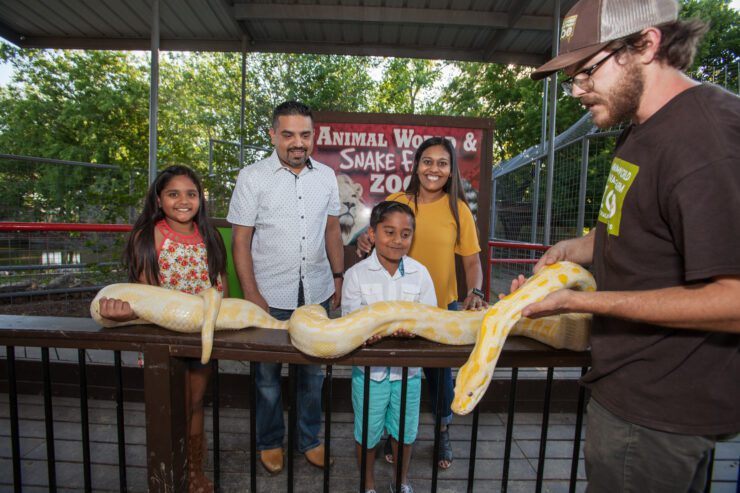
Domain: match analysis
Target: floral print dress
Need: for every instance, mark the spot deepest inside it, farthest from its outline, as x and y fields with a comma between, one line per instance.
x=183, y=261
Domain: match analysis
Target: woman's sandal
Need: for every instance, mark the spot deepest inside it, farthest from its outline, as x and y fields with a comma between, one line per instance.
x=445, y=449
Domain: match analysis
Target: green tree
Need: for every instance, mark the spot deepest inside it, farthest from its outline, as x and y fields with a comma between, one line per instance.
x=93, y=107
x=324, y=82
x=506, y=94
x=718, y=54
x=199, y=101
x=73, y=105
x=407, y=86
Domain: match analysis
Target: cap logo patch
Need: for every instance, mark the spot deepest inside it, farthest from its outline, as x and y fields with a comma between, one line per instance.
x=569, y=27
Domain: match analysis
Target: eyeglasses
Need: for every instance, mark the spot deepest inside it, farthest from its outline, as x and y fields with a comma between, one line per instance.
x=583, y=79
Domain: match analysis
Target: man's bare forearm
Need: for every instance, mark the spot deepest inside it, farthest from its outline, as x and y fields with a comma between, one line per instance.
x=578, y=250
x=335, y=254
x=334, y=245
x=708, y=306
x=241, y=248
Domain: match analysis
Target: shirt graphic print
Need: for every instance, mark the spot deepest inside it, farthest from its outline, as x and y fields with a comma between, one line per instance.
x=621, y=176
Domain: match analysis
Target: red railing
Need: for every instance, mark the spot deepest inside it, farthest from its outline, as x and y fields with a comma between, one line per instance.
x=110, y=228
x=505, y=244
x=99, y=228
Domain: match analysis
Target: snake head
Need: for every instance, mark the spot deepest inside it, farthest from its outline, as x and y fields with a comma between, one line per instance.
x=470, y=387
x=466, y=399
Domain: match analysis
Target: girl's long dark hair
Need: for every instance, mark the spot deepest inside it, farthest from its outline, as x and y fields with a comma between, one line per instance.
x=140, y=253
x=453, y=187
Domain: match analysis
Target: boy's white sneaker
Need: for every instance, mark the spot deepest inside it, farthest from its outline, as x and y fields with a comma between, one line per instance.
x=405, y=488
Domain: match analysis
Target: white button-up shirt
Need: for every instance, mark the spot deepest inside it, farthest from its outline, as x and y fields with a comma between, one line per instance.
x=368, y=282
x=289, y=214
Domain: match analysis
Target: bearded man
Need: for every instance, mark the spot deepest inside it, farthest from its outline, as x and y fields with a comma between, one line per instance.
x=666, y=336
x=288, y=252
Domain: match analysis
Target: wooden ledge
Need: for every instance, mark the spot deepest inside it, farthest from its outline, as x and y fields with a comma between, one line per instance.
x=266, y=345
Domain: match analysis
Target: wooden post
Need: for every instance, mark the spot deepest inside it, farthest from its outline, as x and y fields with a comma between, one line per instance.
x=166, y=437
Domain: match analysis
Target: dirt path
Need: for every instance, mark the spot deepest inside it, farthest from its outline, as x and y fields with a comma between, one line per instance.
x=69, y=306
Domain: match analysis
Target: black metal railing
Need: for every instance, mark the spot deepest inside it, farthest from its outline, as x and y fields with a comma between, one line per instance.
x=164, y=372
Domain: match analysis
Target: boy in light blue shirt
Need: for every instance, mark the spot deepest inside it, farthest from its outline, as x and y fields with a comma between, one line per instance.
x=387, y=275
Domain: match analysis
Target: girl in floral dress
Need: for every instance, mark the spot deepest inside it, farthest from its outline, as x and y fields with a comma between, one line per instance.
x=174, y=245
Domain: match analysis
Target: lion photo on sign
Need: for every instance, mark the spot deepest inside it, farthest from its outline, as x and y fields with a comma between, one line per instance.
x=354, y=215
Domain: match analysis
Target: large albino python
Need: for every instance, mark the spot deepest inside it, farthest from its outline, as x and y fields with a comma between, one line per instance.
x=313, y=333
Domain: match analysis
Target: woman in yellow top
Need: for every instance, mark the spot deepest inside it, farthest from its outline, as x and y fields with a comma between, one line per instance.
x=444, y=228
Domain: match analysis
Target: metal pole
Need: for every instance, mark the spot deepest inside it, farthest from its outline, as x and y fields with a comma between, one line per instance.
x=537, y=166
x=543, y=124
x=244, y=96
x=585, y=145
x=724, y=69
x=154, y=93
x=551, y=129
x=211, y=174
x=492, y=223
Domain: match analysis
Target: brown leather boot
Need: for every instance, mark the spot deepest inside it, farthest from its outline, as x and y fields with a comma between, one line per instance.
x=315, y=457
x=197, y=480
x=272, y=460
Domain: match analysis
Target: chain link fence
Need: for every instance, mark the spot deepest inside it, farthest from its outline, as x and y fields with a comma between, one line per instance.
x=59, y=265
x=582, y=160
x=223, y=169
x=67, y=266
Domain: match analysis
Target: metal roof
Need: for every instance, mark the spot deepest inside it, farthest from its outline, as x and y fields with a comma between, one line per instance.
x=501, y=31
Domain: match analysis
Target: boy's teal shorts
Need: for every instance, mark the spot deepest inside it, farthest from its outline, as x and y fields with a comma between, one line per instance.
x=385, y=407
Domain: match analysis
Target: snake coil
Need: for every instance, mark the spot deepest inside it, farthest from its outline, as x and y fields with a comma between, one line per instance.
x=314, y=334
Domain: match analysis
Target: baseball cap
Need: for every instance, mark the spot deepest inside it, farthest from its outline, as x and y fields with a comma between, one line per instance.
x=592, y=24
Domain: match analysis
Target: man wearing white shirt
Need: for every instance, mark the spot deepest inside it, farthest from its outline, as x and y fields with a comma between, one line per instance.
x=288, y=252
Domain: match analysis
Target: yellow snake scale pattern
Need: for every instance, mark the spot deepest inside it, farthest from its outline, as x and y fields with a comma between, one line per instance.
x=314, y=334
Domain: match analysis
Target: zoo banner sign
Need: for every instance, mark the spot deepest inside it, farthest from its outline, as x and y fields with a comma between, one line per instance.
x=374, y=160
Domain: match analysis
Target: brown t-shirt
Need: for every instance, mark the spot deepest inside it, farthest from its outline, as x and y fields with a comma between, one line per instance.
x=670, y=216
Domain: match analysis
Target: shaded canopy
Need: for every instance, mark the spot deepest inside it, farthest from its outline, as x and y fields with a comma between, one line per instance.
x=500, y=31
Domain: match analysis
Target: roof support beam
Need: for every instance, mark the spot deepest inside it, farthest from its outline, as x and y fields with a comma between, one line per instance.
x=551, y=125
x=229, y=9
x=396, y=51
x=515, y=16
x=376, y=49
x=142, y=44
x=243, y=101
x=154, y=92
x=10, y=34
x=386, y=15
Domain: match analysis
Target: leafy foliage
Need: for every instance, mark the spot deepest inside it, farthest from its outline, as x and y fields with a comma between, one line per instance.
x=506, y=94
x=78, y=106
x=93, y=107
x=718, y=56
x=406, y=86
